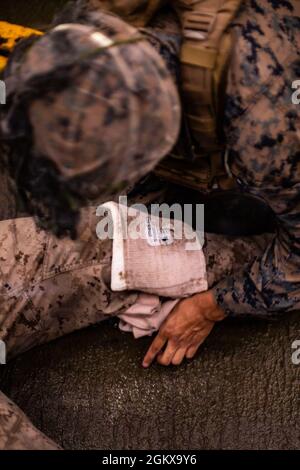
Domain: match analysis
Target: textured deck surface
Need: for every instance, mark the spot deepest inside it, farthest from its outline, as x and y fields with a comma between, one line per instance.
x=88, y=391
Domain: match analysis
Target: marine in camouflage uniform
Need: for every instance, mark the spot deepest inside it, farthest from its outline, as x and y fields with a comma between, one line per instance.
x=263, y=141
x=51, y=286
x=257, y=275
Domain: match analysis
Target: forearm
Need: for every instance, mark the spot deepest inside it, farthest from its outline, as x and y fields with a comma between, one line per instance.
x=226, y=255
x=255, y=275
x=228, y=261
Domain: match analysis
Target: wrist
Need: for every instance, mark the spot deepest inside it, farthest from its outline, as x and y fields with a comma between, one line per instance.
x=208, y=306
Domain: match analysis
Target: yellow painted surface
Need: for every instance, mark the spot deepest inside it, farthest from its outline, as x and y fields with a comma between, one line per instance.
x=10, y=34
x=3, y=61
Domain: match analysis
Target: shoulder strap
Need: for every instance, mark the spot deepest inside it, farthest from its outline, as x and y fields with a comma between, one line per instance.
x=204, y=58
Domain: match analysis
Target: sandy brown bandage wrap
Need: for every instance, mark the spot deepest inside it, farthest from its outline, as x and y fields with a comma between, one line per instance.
x=155, y=255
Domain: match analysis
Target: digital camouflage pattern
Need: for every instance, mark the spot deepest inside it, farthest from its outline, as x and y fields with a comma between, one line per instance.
x=17, y=432
x=250, y=275
x=263, y=141
x=51, y=287
x=263, y=133
x=95, y=83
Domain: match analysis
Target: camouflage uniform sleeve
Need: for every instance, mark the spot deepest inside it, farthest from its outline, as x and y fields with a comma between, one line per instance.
x=268, y=281
x=264, y=143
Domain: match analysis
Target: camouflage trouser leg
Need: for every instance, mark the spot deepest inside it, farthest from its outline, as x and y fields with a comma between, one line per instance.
x=17, y=432
x=48, y=288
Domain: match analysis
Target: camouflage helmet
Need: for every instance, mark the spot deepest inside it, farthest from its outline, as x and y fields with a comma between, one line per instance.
x=103, y=105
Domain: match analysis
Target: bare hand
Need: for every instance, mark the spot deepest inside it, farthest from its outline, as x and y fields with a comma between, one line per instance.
x=185, y=329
